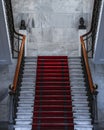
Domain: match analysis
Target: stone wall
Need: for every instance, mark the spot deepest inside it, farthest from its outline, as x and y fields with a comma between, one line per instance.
x=97, y=71
x=6, y=78
x=52, y=25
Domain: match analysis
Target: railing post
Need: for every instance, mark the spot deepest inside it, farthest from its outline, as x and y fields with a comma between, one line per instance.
x=11, y=110
x=95, y=111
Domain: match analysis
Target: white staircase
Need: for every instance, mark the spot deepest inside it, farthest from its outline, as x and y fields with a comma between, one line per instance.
x=81, y=109
x=26, y=96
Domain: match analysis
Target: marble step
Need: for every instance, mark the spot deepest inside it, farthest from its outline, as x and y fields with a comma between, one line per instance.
x=23, y=121
x=73, y=79
x=73, y=75
x=83, y=127
x=82, y=121
x=26, y=97
x=75, y=63
x=81, y=114
x=28, y=83
x=30, y=63
x=27, y=89
x=75, y=71
x=23, y=111
x=28, y=79
x=75, y=67
x=79, y=97
x=82, y=99
x=29, y=71
x=23, y=127
x=80, y=102
x=25, y=104
x=78, y=89
x=28, y=115
x=78, y=86
x=76, y=121
x=84, y=93
x=79, y=83
x=75, y=59
x=29, y=75
x=25, y=108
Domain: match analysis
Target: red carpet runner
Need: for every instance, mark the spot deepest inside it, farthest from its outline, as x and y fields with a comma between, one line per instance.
x=52, y=105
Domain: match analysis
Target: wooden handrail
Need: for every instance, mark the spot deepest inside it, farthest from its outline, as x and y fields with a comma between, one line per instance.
x=14, y=87
x=86, y=34
x=18, y=33
x=92, y=89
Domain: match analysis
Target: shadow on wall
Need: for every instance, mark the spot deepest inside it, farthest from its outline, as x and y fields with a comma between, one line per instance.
x=3, y=125
x=3, y=93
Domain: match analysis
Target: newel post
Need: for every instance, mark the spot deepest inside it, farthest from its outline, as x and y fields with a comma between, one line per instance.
x=95, y=109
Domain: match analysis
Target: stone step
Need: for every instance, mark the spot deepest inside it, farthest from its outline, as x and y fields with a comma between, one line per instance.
x=80, y=102
x=79, y=97
x=80, y=105
x=78, y=93
x=30, y=58
x=79, y=86
x=79, y=83
x=76, y=121
x=77, y=67
x=31, y=63
x=26, y=67
x=78, y=90
x=23, y=121
x=77, y=80
x=81, y=114
x=24, y=116
x=75, y=63
x=76, y=76
x=23, y=111
x=82, y=121
x=26, y=97
x=28, y=83
x=26, y=88
x=74, y=59
x=81, y=111
x=29, y=71
x=25, y=108
x=75, y=71
x=83, y=100
x=22, y=99
x=23, y=127
x=25, y=104
x=29, y=75
x=28, y=79
x=81, y=108
x=83, y=127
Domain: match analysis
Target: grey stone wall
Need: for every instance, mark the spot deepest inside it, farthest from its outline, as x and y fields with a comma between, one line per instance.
x=97, y=71
x=52, y=25
x=6, y=78
x=5, y=52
